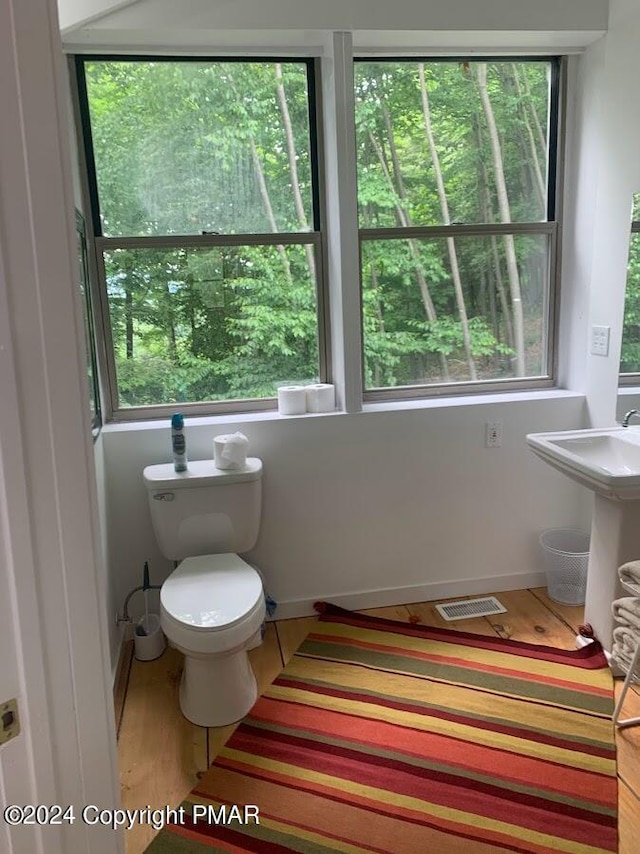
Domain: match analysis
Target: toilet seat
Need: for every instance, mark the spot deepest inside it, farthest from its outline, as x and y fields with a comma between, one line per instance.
x=211, y=592
x=212, y=603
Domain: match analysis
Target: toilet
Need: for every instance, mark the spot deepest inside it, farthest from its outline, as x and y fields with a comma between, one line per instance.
x=212, y=606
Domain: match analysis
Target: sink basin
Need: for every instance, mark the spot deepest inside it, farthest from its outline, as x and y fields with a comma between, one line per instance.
x=604, y=460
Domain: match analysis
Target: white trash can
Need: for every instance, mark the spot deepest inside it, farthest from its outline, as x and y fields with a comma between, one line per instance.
x=149, y=639
x=566, y=554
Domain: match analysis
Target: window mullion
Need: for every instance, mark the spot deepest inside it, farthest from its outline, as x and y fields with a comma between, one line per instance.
x=187, y=241
x=343, y=263
x=477, y=229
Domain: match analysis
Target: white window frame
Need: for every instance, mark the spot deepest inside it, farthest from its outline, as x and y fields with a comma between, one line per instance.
x=551, y=227
x=99, y=244
x=337, y=244
x=630, y=378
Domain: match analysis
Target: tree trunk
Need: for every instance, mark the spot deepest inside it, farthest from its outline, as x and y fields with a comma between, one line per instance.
x=528, y=180
x=264, y=195
x=446, y=219
x=495, y=320
x=485, y=283
x=128, y=307
x=488, y=218
x=266, y=201
x=539, y=181
x=542, y=139
x=502, y=296
x=399, y=197
x=173, y=344
x=505, y=216
x=380, y=319
x=293, y=167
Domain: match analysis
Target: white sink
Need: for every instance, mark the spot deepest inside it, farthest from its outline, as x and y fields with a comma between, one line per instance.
x=604, y=460
x=608, y=462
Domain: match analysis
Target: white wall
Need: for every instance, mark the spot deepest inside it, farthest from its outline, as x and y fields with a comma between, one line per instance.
x=628, y=398
x=399, y=505
x=108, y=577
x=608, y=174
x=582, y=165
x=547, y=15
x=624, y=114
x=392, y=506
x=73, y=13
x=213, y=25
x=382, y=506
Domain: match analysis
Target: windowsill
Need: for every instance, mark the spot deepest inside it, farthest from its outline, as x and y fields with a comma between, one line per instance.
x=228, y=418
x=451, y=402
x=488, y=399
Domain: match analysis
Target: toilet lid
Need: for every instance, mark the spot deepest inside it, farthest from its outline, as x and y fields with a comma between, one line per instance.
x=211, y=591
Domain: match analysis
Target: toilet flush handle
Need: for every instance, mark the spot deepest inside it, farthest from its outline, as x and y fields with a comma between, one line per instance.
x=163, y=496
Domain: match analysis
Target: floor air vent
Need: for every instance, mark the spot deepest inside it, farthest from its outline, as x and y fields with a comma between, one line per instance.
x=466, y=608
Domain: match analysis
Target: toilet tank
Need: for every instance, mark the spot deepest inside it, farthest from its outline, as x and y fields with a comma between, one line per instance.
x=204, y=510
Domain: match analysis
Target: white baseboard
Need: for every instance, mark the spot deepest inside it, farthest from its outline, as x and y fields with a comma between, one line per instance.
x=126, y=634
x=428, y=592
x=383, y=597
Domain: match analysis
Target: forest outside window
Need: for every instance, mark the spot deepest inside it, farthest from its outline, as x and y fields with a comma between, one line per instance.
x=630, y=355
x=457, y=217
x=203, y=183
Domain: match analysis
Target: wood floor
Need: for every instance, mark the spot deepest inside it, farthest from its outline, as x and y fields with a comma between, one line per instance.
x=162, y=755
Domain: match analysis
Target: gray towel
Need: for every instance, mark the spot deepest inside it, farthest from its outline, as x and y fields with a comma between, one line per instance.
x=630, y=572
x=626, y=612
x=625, y=641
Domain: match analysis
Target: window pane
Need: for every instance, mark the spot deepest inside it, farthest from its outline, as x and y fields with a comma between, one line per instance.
x=186, y=147
x=90, y=346
x=197, y=325
x=443, y=142
x=414, y=332
x=630, y=358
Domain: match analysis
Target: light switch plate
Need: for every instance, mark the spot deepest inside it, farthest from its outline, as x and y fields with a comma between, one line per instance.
x=600, y=340
x=9, y=721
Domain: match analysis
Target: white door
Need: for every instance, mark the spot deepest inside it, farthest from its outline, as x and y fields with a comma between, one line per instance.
x=53, y=644
x=16, y=759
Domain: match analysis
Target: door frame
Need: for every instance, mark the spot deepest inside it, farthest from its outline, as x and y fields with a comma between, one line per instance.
x=48, y=499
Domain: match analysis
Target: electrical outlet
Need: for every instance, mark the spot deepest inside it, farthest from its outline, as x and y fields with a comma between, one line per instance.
x=493, y=434
x=9, y=720
x=600, y=340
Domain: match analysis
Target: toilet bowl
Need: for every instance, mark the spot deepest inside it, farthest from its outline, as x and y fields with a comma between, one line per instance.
x=212, y=610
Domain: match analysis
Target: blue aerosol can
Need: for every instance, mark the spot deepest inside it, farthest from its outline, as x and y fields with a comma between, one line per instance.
x=178, y=442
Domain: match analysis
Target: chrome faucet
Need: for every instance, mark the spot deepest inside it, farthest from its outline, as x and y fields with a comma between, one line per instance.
x=629, y=416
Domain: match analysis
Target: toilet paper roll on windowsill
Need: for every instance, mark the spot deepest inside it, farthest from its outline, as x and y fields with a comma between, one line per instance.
x=292, y=400
x=321, y=397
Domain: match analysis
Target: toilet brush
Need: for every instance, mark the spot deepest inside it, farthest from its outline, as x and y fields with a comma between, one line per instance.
x=146, y=586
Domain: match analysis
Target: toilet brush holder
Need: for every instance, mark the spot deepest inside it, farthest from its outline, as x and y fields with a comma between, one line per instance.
x=149, y=640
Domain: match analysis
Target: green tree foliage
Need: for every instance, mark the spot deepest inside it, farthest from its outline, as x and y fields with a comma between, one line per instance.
x=183, y=148
x=173, y=145
x=630, y=357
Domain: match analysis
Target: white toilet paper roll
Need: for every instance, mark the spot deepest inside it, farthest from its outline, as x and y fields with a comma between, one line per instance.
x=292, y=400
x=321, y=397
x=230, y=451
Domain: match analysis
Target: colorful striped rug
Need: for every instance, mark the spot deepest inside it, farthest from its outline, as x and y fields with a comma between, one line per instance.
x=387, y=737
